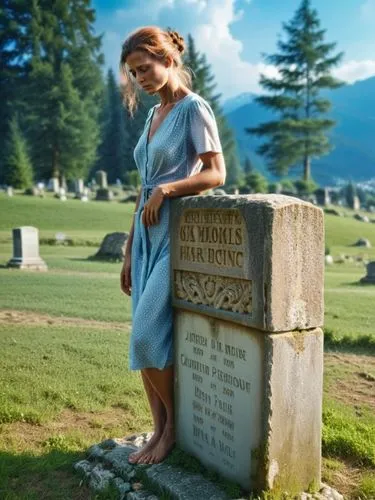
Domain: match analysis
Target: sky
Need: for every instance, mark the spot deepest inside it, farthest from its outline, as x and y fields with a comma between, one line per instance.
x=235, y=33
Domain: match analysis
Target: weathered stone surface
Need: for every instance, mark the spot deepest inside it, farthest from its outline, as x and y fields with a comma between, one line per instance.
x=83, y=467
x=26, y=249
x=113, y=247
x=362, y=242
x=292, y=408
x=100, y=478
x=118, y=458
x=184, y=485
x=249, y=403
x=141, y=495
x=122, y=487
x=267, y=250
x=370, y=276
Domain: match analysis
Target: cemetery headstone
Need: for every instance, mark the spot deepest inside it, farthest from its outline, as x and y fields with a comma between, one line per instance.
x=79, y=186
x=26, y=249
x=54, y=185
x=247, y=288
x=356, y=204
x=61, y=194
x=9, y=191
x=370, y=276
x=103, y=193
x=322, y=197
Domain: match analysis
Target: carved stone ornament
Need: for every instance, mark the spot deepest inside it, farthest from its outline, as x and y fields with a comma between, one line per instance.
x=229, y=294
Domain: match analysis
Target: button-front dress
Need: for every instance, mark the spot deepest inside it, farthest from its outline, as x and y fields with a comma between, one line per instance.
x=171, y=154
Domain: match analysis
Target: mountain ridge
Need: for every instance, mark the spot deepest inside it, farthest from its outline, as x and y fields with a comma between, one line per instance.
x=353, y=137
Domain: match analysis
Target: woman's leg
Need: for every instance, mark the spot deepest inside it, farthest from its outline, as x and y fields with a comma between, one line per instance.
x=162, y=383
x=158, y=416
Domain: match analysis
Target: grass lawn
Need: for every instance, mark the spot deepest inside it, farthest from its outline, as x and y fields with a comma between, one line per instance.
x=64, y=380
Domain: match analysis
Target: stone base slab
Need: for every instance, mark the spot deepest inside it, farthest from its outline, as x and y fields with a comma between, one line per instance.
x=28, y=264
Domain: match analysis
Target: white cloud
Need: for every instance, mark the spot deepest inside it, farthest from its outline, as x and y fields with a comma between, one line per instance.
x=352, y=71
x=210, y=21
x=367, y=10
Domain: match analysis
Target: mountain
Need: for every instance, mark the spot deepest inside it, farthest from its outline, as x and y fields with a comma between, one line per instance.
x=238, y=101
x=353, y=137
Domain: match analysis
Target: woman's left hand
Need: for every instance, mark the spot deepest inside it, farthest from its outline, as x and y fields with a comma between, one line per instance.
x=150, y=214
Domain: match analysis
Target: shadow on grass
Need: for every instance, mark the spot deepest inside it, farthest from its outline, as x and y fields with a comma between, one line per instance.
x=50, y=476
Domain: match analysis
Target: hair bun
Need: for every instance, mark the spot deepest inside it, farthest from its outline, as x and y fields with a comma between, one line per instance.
x=177, y=40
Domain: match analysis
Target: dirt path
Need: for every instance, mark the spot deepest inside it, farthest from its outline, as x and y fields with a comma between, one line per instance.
x=11, y=317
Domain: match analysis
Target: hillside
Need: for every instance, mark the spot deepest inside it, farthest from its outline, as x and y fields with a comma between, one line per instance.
x=353, y=107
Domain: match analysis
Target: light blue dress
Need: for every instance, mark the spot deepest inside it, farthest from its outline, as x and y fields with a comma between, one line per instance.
x=188, y=130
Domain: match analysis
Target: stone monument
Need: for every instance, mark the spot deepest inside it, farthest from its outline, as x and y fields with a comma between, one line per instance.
x=79, y=187
x=323, y=197
x=54, y=185
x=26, y=249
x=356, y=204
x=247, y=289
x=370, y=277
x=103, y=193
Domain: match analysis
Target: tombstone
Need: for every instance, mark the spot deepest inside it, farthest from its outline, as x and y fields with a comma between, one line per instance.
x=323, y=197
x=356, y=204
x=370, y=277
x=85, y=195
x=112, y=248
x=9, y=191
x=61, y=195
x=101, y=179
x=247, y=288
x=79, y=186
x=26, y=249
x=54, y=185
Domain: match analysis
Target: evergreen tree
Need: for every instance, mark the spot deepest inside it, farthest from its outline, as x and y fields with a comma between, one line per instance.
x=304, y=63
x=204, y=85
x=248, y=165
x=14, y=45
x=254, y=182
x=18, y=171
x=112, y=149
x=65, y=86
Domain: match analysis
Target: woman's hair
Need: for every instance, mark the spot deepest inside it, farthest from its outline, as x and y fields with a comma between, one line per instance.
x=158, y=44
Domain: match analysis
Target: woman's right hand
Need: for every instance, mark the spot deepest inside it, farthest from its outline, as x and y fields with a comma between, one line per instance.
x=125, y=276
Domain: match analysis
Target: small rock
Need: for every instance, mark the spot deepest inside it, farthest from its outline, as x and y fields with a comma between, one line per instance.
x=94, y=452
x=100, y=478
x=141, y=495
x=362, y=242
x=362, y=218
x=329, y=260
x=83, y=467
x=122, y=487
x=137, y=486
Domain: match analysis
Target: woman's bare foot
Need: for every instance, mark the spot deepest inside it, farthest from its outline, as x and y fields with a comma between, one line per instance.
x=135, y=457
x=162, y=449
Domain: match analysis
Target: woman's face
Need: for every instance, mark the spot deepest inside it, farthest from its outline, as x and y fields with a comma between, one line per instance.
x=149, y=73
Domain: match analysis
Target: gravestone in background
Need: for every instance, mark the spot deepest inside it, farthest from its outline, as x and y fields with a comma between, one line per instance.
x=54, y=185
x=112, y=247
x=247, y=286
x=26, y=249
x=103, y=193
x=323, y=197
x=370, y=276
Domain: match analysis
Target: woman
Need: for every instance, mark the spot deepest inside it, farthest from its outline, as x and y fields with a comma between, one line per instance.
x=178, y=154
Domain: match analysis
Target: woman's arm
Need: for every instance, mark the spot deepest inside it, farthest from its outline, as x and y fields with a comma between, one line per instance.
x=211, y=175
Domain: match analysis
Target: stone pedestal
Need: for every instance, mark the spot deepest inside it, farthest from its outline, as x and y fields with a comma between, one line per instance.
x=26, y=249
x=247, y=286
x=323, y=197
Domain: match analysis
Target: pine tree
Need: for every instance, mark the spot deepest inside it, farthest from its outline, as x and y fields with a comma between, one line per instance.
x=14, y=18
x=112, y=148
x=248, y=166
x=65, y=86
x=18, y=171
x=304, y=63
x=204, y=85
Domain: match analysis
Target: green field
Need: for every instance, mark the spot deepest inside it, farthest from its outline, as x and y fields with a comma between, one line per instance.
x=64, y=379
